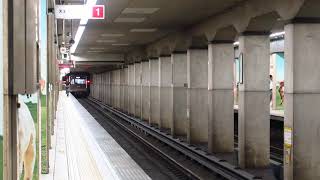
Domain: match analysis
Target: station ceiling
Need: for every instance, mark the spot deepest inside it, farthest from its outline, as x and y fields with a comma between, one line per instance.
x=133, y=23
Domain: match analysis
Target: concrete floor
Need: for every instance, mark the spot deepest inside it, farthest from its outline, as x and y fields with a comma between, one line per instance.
x=82, y=149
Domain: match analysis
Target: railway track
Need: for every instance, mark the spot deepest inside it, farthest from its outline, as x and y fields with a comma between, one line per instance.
x=186, y=161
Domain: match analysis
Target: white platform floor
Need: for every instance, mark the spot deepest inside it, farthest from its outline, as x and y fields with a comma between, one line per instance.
x=83, y=150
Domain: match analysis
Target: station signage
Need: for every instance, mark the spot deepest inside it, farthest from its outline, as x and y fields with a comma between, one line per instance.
x=80, y=11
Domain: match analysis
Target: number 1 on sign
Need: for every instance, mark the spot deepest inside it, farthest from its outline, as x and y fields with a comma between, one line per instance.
x=98, y=12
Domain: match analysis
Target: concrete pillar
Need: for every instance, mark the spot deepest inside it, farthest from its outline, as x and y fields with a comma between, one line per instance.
x=137, y=90
x=99, y=87
x=179, y=85
x=103, y=85
x=154, y=92
x=95, y=86
x=107, y=92
x=117, y=88
x=145, y=96
x=131, y=90
x=165, y=92
x=254, y=98
x=125, y=89
x=106, y=87
x=302, y=101
x=197, y=112
x=220, y=86
x=122, y=77
x=92, y=87
x=112, y=88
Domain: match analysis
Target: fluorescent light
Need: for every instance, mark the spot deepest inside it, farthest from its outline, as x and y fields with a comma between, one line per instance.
x=120, y=44
x=105, y=41
x=277, y=34
x=139, y=10
x=129, y=20
x=81, y=28
x=143, y=30
x=97, y=48
x=95, y=51
x=91, y=2
x=112, y=35
x=236, y=43
x=77, y=38
x=83, y=21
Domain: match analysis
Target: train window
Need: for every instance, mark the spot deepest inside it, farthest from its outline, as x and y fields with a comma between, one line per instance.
x=79, y=81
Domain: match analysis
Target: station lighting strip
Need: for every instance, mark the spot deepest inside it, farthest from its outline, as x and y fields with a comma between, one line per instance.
x=81, y=28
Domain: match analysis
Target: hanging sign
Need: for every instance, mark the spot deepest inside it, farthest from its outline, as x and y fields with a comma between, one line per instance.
x=79, y=11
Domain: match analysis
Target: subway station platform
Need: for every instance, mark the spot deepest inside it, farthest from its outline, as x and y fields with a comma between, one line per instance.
x=82, y=149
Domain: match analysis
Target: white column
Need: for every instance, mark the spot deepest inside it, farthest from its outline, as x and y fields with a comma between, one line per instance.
x=137, y=89
x=254, y=100
x=302, y=101
x=180, y=85
x=145, y=90
x=220, y=86
x=197, y=113
x=165, y=92
x=117, y=89
x=131, y=89
x=154, y=92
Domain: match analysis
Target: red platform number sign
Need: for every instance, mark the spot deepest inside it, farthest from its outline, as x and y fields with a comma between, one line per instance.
x=98, y=12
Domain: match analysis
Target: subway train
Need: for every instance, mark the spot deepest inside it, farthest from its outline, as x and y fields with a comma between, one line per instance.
x=79, y=83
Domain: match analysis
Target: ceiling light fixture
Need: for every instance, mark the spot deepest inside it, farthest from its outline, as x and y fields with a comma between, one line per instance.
x=139, y=10
x=144, y=30
x=95, y=51
x=77, y=38
x=105, y=41
x=112, y=35
x=120, y=44
x=129, y=20
x=81, y=28
x=97, y=48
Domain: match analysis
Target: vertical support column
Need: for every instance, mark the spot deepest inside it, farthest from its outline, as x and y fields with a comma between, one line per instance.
x=145, y=90
x=93, y=85
x=100, y=87
x=254, y=98
x=179, y=86
x=302, y=101
x=131, y=90
x=165, y=92
x=154, y=92
x=109, y=88
x=137, y=89
x=117, y=88
x=197, y=112
x=105, y=87
x=113, y=93
x=103, y=78
x=122, y=89
x=125, y=91
x=220, y=86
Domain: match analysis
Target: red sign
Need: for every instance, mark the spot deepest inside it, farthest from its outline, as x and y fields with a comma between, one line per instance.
x=98, y=12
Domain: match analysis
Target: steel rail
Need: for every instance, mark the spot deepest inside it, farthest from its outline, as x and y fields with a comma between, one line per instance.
x=219, y=166
x=148, y=144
